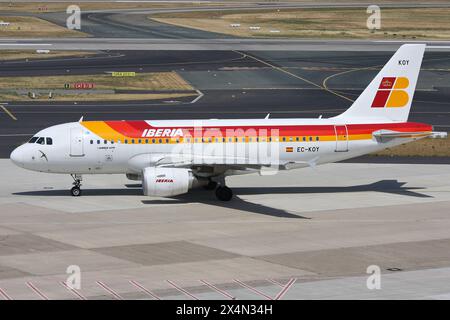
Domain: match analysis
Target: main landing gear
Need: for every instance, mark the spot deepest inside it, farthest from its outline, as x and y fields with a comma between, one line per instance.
x=76, y=191
x=223, y=193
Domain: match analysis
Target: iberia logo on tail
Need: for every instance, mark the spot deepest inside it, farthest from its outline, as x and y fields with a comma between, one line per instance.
x=390, y=93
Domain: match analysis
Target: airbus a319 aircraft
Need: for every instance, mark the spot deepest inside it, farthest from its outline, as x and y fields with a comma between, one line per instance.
x=171, y=157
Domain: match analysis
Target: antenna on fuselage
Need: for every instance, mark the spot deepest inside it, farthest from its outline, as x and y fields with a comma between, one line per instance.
x=267, y=117
x=81, y=119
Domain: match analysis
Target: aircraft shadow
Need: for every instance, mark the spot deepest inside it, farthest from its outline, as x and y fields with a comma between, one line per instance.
x=207, y=197
x=385, y=186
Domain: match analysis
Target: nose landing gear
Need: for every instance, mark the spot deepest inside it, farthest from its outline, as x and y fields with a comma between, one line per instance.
x=76, y=191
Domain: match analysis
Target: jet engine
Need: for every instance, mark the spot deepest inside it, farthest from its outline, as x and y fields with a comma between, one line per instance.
x=167, y=182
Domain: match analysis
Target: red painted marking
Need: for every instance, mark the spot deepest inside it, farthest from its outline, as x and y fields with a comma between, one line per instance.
x=4, y=295
x=285, y=289
x=108, y=289
x=275, y=282
x=73, y=291
x=134, y=129
x=380, y=98
x=253, y=289
x=387, y=83
x=37, y=291
x=139, y=125
x=401, y=127
x=124, y=128
x=222, y=292
x=141, y=287
x=182, y=290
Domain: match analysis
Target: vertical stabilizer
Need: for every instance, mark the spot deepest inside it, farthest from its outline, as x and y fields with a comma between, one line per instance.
x=388, y=97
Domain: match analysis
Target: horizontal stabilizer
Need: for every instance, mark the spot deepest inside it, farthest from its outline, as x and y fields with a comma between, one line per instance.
x=438, y=135
x=383, y=135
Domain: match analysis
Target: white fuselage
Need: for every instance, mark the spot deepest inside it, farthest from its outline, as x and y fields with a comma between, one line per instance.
x=76, y=149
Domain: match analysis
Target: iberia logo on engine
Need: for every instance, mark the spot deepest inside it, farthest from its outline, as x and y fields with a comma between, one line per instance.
x=391, y=93
x=165, y=180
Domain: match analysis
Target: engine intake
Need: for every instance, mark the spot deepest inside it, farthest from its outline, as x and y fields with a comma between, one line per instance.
x=167, y=182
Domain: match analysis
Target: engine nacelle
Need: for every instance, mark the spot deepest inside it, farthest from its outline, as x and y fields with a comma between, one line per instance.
x=166, y=182
x=134, y=176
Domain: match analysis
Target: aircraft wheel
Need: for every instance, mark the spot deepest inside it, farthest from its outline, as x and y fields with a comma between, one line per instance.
x=224, y=193
x=211, y=185
x=75, y=192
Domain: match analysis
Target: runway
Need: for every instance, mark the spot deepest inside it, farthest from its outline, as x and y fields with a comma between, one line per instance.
x=212, y=44
x=322, y=227
x=234, y=85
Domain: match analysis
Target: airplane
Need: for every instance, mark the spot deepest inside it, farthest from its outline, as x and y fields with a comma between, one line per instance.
x=171, y=157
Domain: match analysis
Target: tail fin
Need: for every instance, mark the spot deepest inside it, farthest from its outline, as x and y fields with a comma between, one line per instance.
x=388, y=97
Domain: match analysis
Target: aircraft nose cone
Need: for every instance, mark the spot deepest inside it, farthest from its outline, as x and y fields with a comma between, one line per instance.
x=17, y=157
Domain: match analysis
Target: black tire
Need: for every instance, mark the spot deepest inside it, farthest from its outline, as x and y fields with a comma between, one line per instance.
x=75, y=192
x=224, y=193
x=211, y=185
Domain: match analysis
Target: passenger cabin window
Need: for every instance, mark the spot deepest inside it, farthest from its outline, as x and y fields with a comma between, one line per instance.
x=33, y=140
x=41, y=141
x=49, y=141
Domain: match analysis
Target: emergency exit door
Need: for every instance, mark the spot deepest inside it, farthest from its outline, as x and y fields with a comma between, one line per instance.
x=341, y=138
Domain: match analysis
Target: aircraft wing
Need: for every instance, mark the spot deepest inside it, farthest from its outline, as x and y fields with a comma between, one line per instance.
x=213, y=165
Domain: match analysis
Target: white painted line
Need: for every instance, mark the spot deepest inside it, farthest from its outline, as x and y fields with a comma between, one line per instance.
x=182, y=290
x=26, y=44
x=36, y=290
x=9, y=113
x=285, y=289
x=200, y=95
x=109, y=290
x=16, y=135
x=4, y=295
x=160, y=1
x=222, y=292
x=408, y=41
x=141, y=287
x=252, y=289
x=438, y=47
x=73, y=291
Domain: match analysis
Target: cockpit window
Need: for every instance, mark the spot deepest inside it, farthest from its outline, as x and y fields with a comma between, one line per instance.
x=41, y=141
x=33, y=140
x=49, y=141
